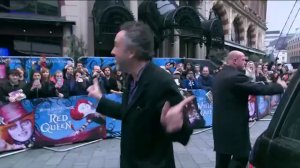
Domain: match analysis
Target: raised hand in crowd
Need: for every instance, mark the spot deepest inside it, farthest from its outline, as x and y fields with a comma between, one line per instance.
x=60, y=95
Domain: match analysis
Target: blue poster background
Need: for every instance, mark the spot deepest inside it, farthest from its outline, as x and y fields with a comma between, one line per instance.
x=204, y=105
x=55, y=124
x=53, y=63
x=263, y=106
x=113, y=126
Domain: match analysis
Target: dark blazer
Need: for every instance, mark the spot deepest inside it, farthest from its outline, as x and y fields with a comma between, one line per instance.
x=231, y=88
x=144, y=141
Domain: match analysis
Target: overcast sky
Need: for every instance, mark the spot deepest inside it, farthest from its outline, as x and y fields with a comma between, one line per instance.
x=278, y=12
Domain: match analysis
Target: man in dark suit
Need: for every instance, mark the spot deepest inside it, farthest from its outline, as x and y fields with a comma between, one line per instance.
x=152, y=108
x=231, y=89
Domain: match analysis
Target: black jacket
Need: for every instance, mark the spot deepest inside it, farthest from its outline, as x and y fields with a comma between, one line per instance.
x=144, y=141
x=6, y=87
x=231, y=89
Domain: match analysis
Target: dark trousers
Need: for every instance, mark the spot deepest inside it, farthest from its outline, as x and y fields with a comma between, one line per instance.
x=230, y=161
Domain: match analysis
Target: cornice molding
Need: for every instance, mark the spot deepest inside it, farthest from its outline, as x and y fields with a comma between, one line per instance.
x=237, y=5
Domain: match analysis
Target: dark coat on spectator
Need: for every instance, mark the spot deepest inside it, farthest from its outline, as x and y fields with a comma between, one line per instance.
x=6, y=87
x=144, y=141
x=205, y=82
x=80, y=88
x=110, y=84
x=36, y=93
x=64, y=89
x=231, y=89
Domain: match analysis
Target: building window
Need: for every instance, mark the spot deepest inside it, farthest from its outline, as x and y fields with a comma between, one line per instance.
x=249, y=42
x=37, y=7
x=38, y=45
x=235, y=33
x=291, y=125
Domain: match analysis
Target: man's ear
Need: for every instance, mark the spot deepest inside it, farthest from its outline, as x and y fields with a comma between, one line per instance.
x=131, y=53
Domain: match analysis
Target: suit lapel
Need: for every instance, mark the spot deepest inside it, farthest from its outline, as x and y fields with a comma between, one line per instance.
x=141, y=86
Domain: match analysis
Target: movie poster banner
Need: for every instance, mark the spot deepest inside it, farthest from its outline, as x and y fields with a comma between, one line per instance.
x=113, y=126
x=204, y=106
x=263, y=106
x=193, y=110
x=274, y=102
x=61, y=121
x=252, y=107
x=16, y=127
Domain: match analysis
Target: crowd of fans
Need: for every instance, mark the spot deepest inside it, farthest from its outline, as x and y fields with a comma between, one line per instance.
x=70, y=81
x=190, y=76
x=74, y=80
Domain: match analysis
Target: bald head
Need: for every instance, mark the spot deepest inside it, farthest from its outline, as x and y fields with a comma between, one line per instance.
x=236, y=59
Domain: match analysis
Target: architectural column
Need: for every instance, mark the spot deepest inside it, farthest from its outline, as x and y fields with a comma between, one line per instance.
x=90, y=45
x=83, y=31
x=134, y=8
x=197, y=51
x=165, y=48
x=176, y=47
x=230, y=18
x=202, y=52
x=67, y=31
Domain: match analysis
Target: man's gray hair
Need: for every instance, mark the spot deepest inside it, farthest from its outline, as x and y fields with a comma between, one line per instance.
x=140, y=38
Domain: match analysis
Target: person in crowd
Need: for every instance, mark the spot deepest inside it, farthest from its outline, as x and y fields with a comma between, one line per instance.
x=81, y=84
x=190, y=82
x=80, y=67
x=45, y=80
x=109, y=82
x=152, y=110
x=231, y=89
x=41, y=63
x=120, y=77
x=69, y=79
x=260, y=77
x=177, y=79
x=250, y=70
x=188, y=67
x=197, y=71
x=8, y=86
x=99, y=75
x=180, y=68
x=58, y=87
x=168, y=67
x=22, y=74
x=35, y=88
x=205, y=80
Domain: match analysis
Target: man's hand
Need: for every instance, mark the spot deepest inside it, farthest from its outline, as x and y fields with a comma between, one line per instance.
x=94, y=90
x=172, y=117
x=282, y=83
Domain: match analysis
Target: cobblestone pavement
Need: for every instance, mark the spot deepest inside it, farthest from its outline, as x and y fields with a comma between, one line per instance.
x=105, y=154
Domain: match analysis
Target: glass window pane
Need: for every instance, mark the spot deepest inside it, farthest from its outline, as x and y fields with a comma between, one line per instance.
x=291, y=126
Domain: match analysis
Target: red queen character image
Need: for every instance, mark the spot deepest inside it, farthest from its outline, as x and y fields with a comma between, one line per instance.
x=85, y=109
x=16, y=127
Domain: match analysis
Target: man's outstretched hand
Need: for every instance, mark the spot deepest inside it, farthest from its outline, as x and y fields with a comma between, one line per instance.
x=172, y=117
x=94, y=90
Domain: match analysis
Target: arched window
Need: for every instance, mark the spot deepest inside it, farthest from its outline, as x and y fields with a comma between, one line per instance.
x=249, y=42
x=235, y=32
